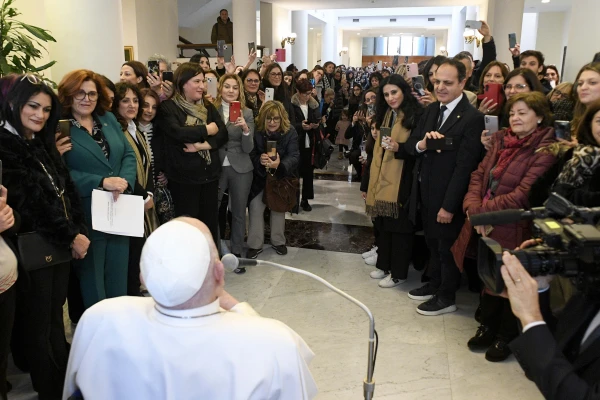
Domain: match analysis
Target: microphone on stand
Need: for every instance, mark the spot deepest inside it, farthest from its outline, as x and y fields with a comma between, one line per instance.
x=231, y=262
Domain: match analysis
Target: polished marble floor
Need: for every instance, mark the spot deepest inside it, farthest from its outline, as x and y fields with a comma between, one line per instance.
x=419, y=357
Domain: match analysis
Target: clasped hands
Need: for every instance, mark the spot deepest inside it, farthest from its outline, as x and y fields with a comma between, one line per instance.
x=266, y=161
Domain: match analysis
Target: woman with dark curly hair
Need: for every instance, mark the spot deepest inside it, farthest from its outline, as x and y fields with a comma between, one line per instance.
x=135, y=73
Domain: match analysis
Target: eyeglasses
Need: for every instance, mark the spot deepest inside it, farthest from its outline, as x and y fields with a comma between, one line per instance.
x=80, y=95
x=36, y=80
x=276, y=74
x=273, y=119
x=518, y=86
x=253, y=80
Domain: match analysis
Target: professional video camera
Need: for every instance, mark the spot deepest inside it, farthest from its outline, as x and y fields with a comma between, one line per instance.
x=570, y=250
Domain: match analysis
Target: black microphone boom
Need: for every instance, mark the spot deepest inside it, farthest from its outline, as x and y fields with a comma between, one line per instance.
x=499, y=217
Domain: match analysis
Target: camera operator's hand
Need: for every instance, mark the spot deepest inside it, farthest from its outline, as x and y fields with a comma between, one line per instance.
x=522, y=290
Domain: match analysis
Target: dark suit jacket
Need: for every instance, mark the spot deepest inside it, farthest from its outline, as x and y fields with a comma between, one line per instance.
x=444, y=177
x=554, y=362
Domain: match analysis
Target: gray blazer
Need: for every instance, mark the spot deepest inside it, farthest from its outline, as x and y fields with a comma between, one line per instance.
x=238, y=147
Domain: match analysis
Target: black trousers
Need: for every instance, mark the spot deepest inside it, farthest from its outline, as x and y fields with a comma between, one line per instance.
x=198, y=201
x=394, y=253
x=40, y=330
x=443, y=272
x=7, y=317
x=497, y=314
x=353, y=158
x=307, y=174
x=74, y=298
x=136, y=244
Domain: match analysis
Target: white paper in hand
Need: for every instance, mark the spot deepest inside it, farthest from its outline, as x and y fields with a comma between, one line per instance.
x=124, y=217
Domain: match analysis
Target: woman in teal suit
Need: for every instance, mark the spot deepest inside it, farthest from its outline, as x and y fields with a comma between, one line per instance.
x=100, y=157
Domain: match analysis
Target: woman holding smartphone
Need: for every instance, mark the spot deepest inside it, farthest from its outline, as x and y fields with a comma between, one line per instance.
x=390, y=181
x=273, y=80
x=254, y=96
x=236, y=166
x=272, y=125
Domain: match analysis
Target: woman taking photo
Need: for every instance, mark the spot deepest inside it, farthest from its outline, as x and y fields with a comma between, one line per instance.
x=272, y=124
x=43, y=195
x=254, y=96
x=503, y=181
x=190, y=131
x=101, y=158
x=236, y=172
x=126, y=107
x=274, y=79
x=390, y=181
x=494, y=72
x=307, y=129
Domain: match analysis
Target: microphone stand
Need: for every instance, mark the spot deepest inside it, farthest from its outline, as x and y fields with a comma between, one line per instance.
x=368, y=382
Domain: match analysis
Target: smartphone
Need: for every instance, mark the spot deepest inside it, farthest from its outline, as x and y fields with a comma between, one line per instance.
x=419, y=85
x=269, y=94
x=412, y=70
x=383, y=132
x=395, y=61
x=211, y=87
x=167, y=76
x=272, y=149
x=64, y=127
x=235, y=111
x=363, y=151
x=471, y=24
x=444, y=143
x=266, y=51
x=562, y=130
x=251, y=47
x=153, y=68
x=379, y=65
x=491, y=124
x=220, y=48
x=312, y=81
x=280, y=55
x=512, y=40
x=493, y=92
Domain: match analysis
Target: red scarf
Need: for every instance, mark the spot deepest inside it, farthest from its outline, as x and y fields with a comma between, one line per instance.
x=512, y=145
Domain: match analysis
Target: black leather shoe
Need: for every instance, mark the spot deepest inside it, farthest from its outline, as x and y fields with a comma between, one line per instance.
x=498, y=351
x=482, y=339
x=253, y=253
x=305, y=206
x=281, y=249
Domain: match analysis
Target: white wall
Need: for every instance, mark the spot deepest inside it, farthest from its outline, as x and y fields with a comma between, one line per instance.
x=198, y=25
x=130, y=34
x=281, y=27
x=34, y=13
x=550, y=34
x=584, y=31
x=529, y=32
x=266, y=25
x=355, y=51
x=157, y=28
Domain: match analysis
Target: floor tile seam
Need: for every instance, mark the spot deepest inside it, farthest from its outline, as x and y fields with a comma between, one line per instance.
x=448, y=358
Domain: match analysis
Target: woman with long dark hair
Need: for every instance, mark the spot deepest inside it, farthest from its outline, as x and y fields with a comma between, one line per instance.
x=44, y=196
x=390, y=181
x=274, y=79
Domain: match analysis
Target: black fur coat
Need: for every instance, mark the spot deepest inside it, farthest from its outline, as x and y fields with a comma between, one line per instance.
x=31, y=194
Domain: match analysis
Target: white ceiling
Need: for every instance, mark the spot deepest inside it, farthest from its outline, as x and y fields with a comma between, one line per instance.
x=553, y=6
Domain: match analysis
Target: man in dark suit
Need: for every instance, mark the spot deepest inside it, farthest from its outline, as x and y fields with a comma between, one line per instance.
x=442, y=181
x=566, y=365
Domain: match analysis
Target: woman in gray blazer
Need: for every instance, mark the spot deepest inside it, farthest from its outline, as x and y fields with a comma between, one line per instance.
x=236, y=174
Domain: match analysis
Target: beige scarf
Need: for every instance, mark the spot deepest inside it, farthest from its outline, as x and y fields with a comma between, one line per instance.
x=386, y=172
x=197, y=115
x=143, y=174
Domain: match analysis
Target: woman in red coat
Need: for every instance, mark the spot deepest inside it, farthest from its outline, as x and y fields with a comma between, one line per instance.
x=502, y=181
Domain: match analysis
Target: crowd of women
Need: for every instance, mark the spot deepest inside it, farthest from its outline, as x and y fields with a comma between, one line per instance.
x=186, y=151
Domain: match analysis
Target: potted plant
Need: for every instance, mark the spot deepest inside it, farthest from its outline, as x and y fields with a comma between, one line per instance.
x=20, y=43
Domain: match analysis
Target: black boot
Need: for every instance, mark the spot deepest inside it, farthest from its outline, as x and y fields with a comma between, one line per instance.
x=305, y=206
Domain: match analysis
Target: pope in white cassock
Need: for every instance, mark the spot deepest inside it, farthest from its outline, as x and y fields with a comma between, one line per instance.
x=190, y=340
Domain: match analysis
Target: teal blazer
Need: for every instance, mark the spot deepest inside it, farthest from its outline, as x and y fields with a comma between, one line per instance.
x=88, y=164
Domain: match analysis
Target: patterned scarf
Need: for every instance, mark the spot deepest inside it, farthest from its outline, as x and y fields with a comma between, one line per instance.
x=580, y=167
x=197, y=115
x=512, y=145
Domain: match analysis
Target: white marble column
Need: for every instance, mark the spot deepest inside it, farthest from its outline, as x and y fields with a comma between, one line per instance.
x=82, y=37
x=300, y=49
x=328, y=43
x=243, y=15
x=455, y=34
x=507, y=17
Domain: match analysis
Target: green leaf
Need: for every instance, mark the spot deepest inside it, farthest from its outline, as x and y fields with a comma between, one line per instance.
x=43, y=67
x=7, y=49
x=38, y=32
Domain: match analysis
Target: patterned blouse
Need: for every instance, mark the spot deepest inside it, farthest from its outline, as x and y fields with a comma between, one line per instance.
x=97, y=134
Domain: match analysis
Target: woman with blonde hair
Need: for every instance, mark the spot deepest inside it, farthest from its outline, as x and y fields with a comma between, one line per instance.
x=272, y=125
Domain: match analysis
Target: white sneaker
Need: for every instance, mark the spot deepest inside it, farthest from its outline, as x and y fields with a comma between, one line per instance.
x=370, y=253
x=389, y=282
x=378, y=274
x=371, y=260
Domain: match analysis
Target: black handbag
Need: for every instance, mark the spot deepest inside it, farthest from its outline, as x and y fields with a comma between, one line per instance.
x=35, y=252
x=323, y=150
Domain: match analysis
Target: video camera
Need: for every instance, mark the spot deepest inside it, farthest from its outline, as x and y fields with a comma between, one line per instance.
x=569, y=250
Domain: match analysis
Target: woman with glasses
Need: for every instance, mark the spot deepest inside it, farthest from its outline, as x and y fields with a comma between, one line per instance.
x=317, y=75
x=42, y=193
x=274, y=79
x=307, y=118
x=135, y=73
x=236, y=166
x=101, y=158
x=126, y=107
x=189, y=132
x=272, y=124
x=254, y=96
x=518, y=81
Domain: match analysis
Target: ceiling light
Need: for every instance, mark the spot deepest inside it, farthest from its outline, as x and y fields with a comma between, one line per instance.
x=545, y=1
x=358, y=33
x=380, y=35
x=312, y=29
